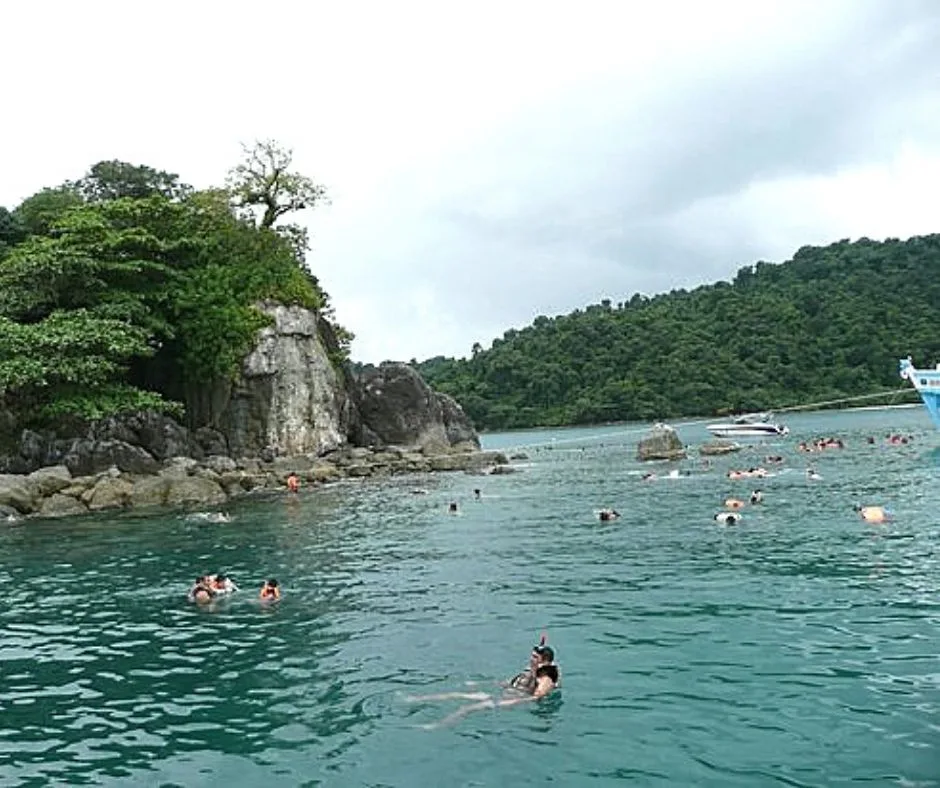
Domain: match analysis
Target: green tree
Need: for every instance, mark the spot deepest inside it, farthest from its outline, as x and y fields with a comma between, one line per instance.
x=113, y=180
x=265, y=180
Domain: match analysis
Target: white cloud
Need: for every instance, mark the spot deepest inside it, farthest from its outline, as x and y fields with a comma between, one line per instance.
x=493, y=161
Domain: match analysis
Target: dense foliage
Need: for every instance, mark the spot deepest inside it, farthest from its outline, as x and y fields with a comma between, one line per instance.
x=829, y=323
x=128, y=289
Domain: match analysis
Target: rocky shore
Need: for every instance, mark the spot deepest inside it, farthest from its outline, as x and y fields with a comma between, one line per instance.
x=291, y=410
x=53, y=491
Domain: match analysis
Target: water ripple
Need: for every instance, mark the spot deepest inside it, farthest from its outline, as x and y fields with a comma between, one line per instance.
x=796, y=649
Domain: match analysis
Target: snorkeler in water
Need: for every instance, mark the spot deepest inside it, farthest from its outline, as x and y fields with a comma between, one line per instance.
x=270, y=591
x=540, y=677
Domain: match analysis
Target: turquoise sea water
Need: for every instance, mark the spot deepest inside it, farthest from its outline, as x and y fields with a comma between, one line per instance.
x=798, y=648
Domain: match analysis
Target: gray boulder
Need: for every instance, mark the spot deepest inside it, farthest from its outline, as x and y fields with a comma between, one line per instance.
x=16, y=491
x=194, y=490
x=396, y=407
x=220, y=463
x=50, y=480
x=88, y=457
x=660, y=443
x=110, y=492
x=59, y=505
x=718, y=447
x=150, y=491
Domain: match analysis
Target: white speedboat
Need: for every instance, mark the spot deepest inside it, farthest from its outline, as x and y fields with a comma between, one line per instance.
x=754, y=425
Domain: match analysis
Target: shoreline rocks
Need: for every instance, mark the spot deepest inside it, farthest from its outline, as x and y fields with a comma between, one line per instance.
x=182, y=481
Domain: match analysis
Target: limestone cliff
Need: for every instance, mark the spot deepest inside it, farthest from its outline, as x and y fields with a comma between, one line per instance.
x=290, y=399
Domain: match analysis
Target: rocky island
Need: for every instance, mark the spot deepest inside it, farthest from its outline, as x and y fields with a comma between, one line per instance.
x=290, y=410
x=161, y=345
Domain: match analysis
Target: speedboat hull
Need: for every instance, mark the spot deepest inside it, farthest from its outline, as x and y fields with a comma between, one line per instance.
x=927, y=383
x=747, y=430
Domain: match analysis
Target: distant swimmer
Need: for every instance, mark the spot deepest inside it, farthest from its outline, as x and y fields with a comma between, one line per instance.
x=209, y=517
x=608, y=514
x=201, y=591
x=270, y=591
x=419, y=491
x=734, y=503
x=757, y=497
x=293, y=482
x=476, y=493
x=812, y=475
x=728, y=518
x=223, y=584
x=452, y=507
x=873, y=514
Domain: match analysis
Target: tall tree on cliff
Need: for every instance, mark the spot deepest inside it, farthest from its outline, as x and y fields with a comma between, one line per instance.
x=264, y=180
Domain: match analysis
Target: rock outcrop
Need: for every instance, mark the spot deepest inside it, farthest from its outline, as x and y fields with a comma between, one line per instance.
x=718, y=447
x=660, y=443
x=290, y=398
x=293, y=409
x=395, y=407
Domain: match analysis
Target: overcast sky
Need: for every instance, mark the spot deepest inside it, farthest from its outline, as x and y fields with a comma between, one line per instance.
x=493, y=161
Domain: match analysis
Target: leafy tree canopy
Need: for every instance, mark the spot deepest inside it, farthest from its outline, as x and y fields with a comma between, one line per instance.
x=128, y=289
x=830, y=323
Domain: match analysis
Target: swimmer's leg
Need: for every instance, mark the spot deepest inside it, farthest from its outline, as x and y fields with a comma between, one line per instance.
x=448, y=696
x=462, y=712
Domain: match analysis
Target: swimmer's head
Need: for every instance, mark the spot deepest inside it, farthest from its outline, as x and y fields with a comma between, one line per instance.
x=544, y=653
x=857, y=507
x=272, y=582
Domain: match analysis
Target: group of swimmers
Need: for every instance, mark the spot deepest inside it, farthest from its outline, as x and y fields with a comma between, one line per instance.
x=821, y=444
x=210, y=587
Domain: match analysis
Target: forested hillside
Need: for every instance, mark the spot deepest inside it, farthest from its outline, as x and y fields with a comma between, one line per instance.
x=128, y=289
x=829, y=323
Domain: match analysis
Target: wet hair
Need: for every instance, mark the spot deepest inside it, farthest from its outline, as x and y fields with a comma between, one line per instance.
x=547, y=670
x=272, y=582
x=221, y=578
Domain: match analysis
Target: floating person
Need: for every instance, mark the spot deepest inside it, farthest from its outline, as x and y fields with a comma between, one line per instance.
x=476, y=493
x=222, y=584
x=728, y=518
x=201, y=591
x=540, y=678
x=270, y=591
x=293, y=482
x=812, y=475
x=757, y=497
x=734, y=503
x=452, y=507
x=209, y=517
x=608, y=514
x=873, y=514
